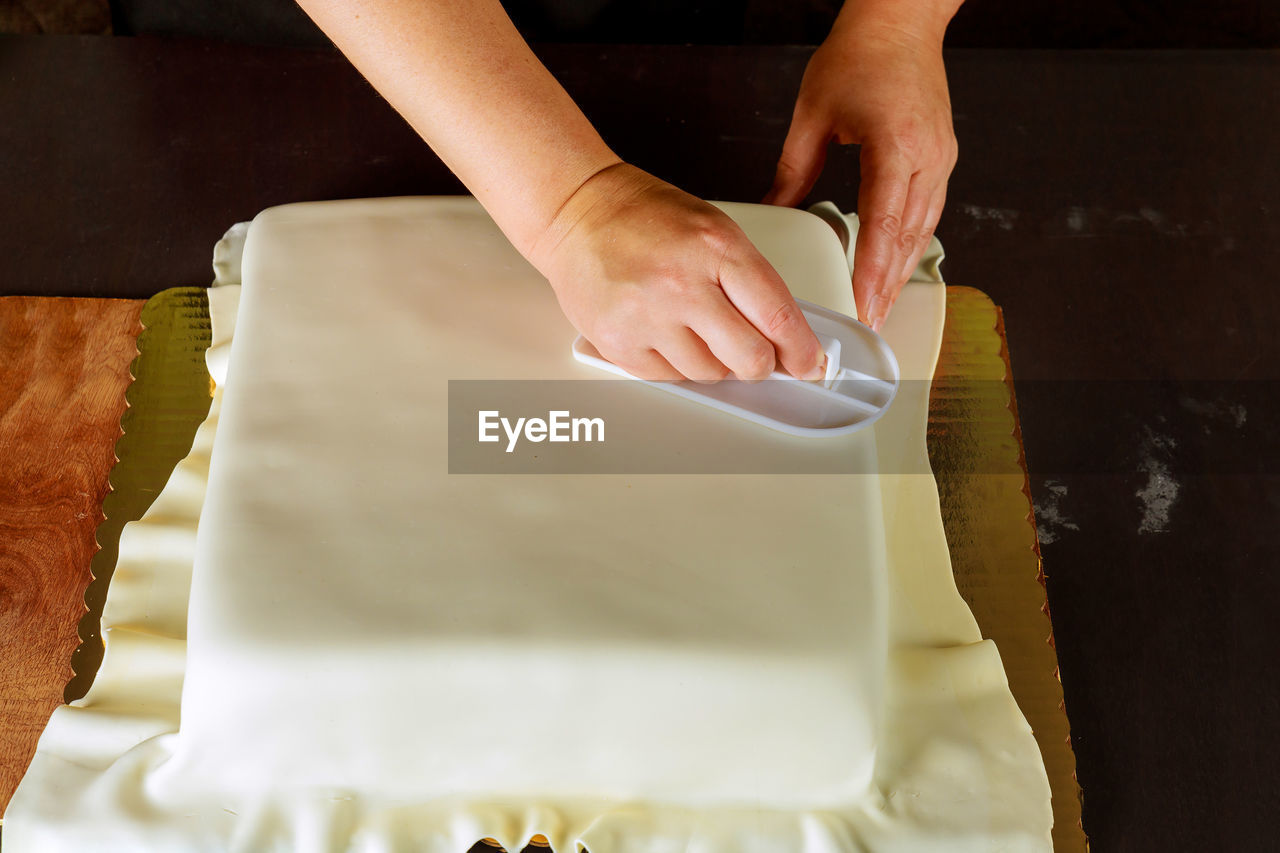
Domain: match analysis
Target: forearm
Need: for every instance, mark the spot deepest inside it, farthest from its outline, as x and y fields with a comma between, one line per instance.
x=923, y=20
x=462, y=76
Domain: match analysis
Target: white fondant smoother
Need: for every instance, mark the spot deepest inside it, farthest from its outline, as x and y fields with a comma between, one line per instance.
x=958, y=768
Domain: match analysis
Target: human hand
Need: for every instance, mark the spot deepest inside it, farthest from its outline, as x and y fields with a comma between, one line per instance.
x=668, y=286
x=880, y=83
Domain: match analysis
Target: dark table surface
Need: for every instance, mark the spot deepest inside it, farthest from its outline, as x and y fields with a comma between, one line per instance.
x=1120, y=207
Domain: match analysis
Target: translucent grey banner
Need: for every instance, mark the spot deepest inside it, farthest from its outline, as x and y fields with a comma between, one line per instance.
x=613, y=426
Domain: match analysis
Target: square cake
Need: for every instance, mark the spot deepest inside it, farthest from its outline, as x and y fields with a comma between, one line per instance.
x=364, y=621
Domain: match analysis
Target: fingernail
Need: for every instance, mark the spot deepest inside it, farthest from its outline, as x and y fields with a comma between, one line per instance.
x=875, y=312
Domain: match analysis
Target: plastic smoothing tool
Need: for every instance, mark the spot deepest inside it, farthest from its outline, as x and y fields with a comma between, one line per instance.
x=860, y=382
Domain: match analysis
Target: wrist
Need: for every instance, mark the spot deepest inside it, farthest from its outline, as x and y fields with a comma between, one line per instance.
x=525, y=197
x=611, y=184
x=920, y=23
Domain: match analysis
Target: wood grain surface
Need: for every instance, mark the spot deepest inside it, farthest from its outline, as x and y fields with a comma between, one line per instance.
x=64, y=369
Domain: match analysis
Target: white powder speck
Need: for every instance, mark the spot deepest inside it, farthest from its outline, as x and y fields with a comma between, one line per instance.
x=1002, y=217
x=1077, y=219
x=1161, y=490
x=1051, y=521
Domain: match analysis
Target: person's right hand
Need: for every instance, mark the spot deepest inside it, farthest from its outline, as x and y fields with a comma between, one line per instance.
x=667, y=286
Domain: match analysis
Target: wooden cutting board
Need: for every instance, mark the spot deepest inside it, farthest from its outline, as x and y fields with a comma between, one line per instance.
x=64, y=368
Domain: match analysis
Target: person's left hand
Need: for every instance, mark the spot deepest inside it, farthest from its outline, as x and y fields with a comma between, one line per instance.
x=884, y=87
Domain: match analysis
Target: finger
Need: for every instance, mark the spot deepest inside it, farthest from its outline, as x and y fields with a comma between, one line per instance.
x=645, y=364
x=910, y=237
x=686, y=352
x=924, y=235
x=758, y=293
x=886, y=179
x=803, y=154
x=732, y=340
x=922, y=244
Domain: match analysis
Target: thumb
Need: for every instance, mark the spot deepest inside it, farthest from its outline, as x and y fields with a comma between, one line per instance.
x=803, y=154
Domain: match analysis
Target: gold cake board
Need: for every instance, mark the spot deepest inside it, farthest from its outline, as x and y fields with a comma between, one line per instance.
x=975, y=448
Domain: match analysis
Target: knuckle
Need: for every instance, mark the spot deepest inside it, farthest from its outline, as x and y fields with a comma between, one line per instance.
x=908, y=142
x=757, y=361
x=712, y=231
x=649, y=366
x=886, y=224
x=708, y=374
x=873, y=269
x=714, y=240
x=788, y=165
x=611, y=346
x=615, y=338
x=681, y=290
x=785, y=318
x=604, y=336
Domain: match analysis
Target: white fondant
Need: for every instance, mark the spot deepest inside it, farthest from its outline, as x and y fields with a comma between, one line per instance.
x=957, y=767
x=624, y=637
